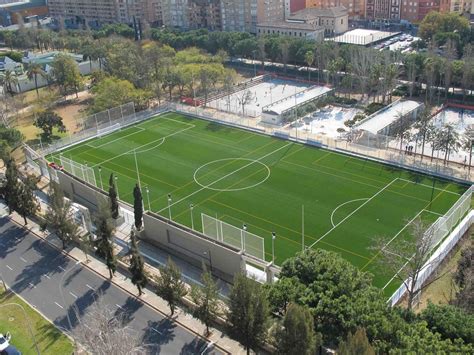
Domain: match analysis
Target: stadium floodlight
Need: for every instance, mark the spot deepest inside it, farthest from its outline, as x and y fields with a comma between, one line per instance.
x=148, y=197
x=116, y=187
x=191, y=207
x=273, y=247
x=169, y=206
x=100, y=178
x=242, y=236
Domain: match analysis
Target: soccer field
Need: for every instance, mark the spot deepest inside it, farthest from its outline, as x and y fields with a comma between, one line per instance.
x=244, y=177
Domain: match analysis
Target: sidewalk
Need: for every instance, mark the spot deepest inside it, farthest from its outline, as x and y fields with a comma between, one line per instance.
x=217, y=338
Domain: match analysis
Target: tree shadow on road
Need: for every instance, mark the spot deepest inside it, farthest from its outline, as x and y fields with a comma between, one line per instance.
x=158, y=333
x=196, y=346
x=130, y=306
x=10, y=238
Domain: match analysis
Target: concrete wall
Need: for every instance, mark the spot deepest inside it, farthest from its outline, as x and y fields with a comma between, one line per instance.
x=225, y=261
x=176, y=239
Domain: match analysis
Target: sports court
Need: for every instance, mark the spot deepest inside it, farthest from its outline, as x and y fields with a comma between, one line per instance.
x=264, y=93
x=241, y=177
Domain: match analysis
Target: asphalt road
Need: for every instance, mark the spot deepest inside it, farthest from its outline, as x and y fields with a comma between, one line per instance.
x=35, y=270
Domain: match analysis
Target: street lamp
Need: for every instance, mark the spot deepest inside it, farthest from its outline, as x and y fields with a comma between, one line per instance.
x=242, y=236
x=62, y=294
x=169, y=206
x=273, y=247
x=148, y=197
x=191, y=207
x=100, y=178
x=116, y=187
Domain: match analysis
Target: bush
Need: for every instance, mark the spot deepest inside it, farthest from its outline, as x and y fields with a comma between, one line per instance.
x=13, y=55
x=402, y=90
x=373, y=107
x=344, y=101
x=357, y=118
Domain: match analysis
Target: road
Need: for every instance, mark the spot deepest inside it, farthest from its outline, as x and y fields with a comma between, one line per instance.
x=35, y=271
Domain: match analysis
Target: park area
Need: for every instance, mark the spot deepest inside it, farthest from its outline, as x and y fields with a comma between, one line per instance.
x=18, y=318
x=307, y=196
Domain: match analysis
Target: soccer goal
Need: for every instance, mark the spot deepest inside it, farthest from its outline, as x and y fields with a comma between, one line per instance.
x=106, y=130
x=239, y=238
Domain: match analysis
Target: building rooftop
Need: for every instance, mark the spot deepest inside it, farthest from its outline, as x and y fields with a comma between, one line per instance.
x=363, y=36
x=291, y=25
x=312, y=13
x=381, y=119
x=285, y=104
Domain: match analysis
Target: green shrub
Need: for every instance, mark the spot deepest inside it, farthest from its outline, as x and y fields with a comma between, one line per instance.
x=373, y=107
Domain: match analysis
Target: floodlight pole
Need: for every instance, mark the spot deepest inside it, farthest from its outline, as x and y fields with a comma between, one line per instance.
x=242, y=236
x=169, y=206
x=191, y=207
x=148, y=197
x=100, y=178
x=302, y=228
x=273, y=247
x=116, y=187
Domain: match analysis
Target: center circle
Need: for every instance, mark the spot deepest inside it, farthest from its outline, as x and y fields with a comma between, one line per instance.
x=242, y=169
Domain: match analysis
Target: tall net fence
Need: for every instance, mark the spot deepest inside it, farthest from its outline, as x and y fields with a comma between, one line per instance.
x=80, y=171
x=239, y=238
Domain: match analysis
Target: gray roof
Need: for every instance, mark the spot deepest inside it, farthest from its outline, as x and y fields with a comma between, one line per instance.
x=288, y=25
x=313, y=12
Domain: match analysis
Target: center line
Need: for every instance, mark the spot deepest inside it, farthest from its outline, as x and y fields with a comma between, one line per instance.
x=223, y=177
x=156, y=330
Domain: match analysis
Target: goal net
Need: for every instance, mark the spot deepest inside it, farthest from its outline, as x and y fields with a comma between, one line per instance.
x=109, y=129
x=236, y=237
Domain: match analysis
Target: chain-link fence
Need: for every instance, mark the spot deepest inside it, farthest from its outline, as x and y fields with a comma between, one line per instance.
x=80, y=171
x=239, y=238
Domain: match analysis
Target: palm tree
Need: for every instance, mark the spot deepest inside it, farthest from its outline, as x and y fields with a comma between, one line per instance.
x=35, y=69
x=468, y=140
x=9, y=79
x=309, y=60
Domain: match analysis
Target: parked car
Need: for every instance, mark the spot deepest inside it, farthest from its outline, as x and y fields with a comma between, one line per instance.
x=4, y=341
x=10, y=350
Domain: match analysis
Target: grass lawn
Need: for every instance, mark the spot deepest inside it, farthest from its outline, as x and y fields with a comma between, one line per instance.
x=12, y=319
x=243, y=177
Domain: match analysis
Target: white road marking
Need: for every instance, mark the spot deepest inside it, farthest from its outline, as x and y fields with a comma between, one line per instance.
x=23, y=259
x=87, y=285
x=156, y=330
x=57, y=304
x=63, y=269
x=208, y=346
x=46, y=275
x=119, y=306
x=31, y=285
x=9, y=267
x=73, y=295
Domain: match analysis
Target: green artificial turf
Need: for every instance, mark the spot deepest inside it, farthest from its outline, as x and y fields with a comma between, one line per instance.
x=244, y=177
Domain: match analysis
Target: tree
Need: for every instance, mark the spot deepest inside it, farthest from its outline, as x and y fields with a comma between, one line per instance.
x=27, y=203
x=169, y=285
x=47, y=121
x=248, y=312
x=244, y=99
x=309, y=60
x=206, y=299
x=12, y=188
x=356, y=344
x=296, y=334
x=59, y=216
x=449, y=321
x=467, y=143
x=406, y=257
x=112, y=92
x=113, y=199
x=138, y=206
x=136, y=268
x=103, y=330
x=463, y=279
x=66, y=73
x=448, y=140
x=9, y=79
x=105, y=234
x=33, y=71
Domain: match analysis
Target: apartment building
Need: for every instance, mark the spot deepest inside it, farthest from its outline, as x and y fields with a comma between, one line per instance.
x=270, y=10
x=457, y=6
x=383, y=9
x=99, y=12
x=416, y=10
x=292, y=6
x=356, y=8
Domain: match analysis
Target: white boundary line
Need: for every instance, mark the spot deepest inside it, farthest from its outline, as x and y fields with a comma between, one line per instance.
x=345, y=203
x=436, y=188
x=350, y=214
x=143, y=145
x=117, y=139
x=225, y=176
